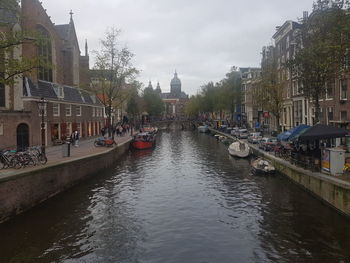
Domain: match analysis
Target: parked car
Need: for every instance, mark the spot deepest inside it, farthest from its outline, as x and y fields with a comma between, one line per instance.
x=267, y=144
x=254, y=137
x=262, y=142
x=235, y=131
x=243, y=134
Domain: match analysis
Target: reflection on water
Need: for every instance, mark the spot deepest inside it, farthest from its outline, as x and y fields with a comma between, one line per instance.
x=184, y=201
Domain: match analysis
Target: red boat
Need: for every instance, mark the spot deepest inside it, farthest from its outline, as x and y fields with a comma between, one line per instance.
x=143, y=140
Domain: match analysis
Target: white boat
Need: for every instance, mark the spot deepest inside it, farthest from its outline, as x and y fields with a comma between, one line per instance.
x=203, y=128
x=239, y=149
x=262, y=166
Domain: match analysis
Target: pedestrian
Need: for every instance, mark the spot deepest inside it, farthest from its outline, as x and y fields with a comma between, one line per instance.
x=103, y=131
x=113, y=131
x=75, y=138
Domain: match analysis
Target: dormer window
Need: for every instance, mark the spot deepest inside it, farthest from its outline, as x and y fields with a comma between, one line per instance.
x=59, y=91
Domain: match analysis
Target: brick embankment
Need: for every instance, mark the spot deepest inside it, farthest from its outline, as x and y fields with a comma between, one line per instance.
x=24, y=188
x=333, y=191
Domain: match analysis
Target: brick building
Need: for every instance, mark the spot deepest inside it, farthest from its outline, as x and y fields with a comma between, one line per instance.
x=69, y=107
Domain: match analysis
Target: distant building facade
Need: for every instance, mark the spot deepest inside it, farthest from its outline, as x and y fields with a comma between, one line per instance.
x=175, y=100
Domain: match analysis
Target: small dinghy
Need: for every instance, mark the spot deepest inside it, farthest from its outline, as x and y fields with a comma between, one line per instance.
x=239, y=149
x=262, y=166
x=203, y=128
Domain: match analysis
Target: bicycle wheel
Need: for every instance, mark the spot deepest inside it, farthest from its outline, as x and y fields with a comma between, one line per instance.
x=43, y=159
x=15, y=163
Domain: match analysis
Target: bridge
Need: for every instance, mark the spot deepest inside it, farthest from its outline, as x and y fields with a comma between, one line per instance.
x=175, y=124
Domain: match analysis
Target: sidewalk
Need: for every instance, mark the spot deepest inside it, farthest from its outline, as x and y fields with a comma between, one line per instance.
x=54, y=154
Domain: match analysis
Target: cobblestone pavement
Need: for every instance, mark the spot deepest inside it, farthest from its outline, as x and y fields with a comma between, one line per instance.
x=55, y=154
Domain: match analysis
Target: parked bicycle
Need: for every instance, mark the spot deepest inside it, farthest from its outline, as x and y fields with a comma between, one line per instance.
x=7, y=159
x=13, y=159
x=104, y=142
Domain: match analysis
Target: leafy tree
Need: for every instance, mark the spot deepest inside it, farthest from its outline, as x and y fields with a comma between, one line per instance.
x=113, y=70
x=218, y=97
x=133, y=107
x=194, y=106
x=268, y=91
x=153, y=104
x=323, y=45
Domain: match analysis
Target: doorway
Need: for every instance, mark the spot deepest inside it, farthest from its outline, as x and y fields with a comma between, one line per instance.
x=22, y=137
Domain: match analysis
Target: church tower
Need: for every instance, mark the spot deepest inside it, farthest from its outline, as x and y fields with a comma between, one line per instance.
x=175, y=86
x=158, y=90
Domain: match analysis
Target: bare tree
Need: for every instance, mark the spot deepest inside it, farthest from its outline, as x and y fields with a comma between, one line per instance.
x=112, y=71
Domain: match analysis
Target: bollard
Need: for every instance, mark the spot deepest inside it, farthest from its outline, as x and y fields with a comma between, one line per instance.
x=68, y=155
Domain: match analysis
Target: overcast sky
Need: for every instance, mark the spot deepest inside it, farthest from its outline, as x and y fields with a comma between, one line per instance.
x=201, y=39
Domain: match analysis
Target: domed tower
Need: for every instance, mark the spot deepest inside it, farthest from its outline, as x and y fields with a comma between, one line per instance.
x=150, y=85
x=175, y=86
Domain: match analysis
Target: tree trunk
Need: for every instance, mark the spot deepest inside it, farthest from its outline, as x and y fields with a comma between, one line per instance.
x=279, y=130
x=317, y=108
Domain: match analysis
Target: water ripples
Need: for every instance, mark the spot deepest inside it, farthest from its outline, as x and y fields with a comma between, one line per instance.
x=184, y=201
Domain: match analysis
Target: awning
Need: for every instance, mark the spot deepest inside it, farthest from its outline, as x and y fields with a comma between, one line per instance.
x=290, y=134
x=320, y=131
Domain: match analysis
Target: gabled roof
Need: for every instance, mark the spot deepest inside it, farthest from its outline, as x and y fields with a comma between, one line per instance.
x=72, y=94
x=63, y=31
x=45, y=89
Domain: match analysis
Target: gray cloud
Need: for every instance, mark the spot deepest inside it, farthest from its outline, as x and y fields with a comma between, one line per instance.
x=202, y=39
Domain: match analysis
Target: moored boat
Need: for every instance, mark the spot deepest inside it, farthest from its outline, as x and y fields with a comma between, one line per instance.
x=262, y=166
x=239, y=149
x=203, y=128
x=149, y=129
x=144, y=140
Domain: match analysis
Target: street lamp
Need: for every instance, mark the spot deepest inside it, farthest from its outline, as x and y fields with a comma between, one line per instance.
x=42, y=106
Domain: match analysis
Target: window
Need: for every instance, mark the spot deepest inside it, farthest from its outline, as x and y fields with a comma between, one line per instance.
x=58, y=90
x=330, y=90
x=1, y=129
x=78, y=110
x=330, y=113
x=56, y=109
x=69, y=128
x=343, y=116
x=44, y=50
x=343, y=89
x=93, y=111
x=68, y=110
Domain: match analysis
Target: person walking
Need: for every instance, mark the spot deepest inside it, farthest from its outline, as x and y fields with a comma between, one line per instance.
x=75, y=138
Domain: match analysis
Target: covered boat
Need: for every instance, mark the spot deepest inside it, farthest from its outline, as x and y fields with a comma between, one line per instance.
x=239, y=149
x=144, y=140
x=262, y=166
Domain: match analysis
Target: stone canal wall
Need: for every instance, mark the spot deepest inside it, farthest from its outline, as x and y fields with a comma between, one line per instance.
x=327, y=188
x=26, y=189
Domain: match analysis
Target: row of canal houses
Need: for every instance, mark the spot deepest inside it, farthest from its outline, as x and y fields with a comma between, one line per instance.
x=68, y=105
x=297, y=108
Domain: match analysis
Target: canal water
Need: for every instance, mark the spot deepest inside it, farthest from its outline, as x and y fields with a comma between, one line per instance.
x=185, y=201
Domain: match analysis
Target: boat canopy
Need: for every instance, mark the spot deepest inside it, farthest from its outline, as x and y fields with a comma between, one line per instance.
x=290, y=134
